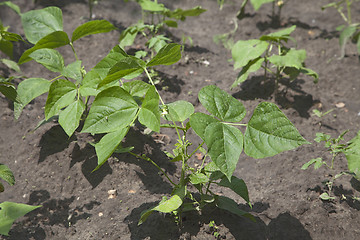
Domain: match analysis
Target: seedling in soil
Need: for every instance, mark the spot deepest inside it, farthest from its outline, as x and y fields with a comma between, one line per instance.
x=10, y=211
x=335, y=146
x=120, y=102
x=275, y=16
x=270, y=53
x=350, y=30
x=320, y=114
x=153, y=29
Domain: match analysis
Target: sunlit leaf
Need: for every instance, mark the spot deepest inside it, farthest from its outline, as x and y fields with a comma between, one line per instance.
x=149, y=114
x=69, y=118
x=169, y=54
x=245, y=51
x=49, y=58
x=92, y=27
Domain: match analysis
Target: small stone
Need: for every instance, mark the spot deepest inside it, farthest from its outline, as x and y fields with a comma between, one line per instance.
x=340, y=105
x=112, y=193
x=101, y=214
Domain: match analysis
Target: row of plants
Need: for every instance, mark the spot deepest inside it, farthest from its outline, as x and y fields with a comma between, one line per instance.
x=119, y=91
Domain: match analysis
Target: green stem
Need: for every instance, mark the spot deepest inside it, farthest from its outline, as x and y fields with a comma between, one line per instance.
x=152, y=83
x=200, y=145
x=73, y=49
x=348, y=5
x=151, y=161
x=235, y=124
x=56, y=78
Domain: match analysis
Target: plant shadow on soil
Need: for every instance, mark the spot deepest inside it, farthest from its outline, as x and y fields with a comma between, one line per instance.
x=158, y=226
x=289, y=96
x=53, y=212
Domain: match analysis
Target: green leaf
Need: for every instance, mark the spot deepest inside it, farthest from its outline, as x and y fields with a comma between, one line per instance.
x=293, y=58
x=69, y=118
x=171, y=23
x=252, y=66
x=49, y=58
x=112, y=109
x=166, y=205
x=352, y=154
x=28, y=90
x=6, y=174
x=92, y=27
x=225, y=143
x=73, y=70
x=9, y=91
x=213, y=172
x=108, y=144
x=179, y=111
x=9, y=212
x=221, y=104
x=345, y=35
x=269, y=132
x=198, y=178
x=11, y=64
x=61, y=94
x=230, y=205
x=12, y=37
x=6, y=47
x=237, y=185
x=127, y=37
x=169, y=54
x=283, y=34
x=136, y=88
x=325, y=196
x=122, y=68
x=318, y=162
x=149, y=114
x=258, y=3
x=244, y=51
x=199, y=122
x=98, y=73
x=11, y=5
x=151, y=6
x=39, y=23
x=53, y=40
x=182, y=14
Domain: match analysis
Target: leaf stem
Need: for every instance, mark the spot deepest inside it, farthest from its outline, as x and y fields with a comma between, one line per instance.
x=152, y=83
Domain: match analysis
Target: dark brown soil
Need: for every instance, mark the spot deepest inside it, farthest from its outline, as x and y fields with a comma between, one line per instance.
x=55, y=171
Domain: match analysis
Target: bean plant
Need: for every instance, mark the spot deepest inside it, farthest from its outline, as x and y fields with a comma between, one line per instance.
x=336, y=146
x=279, y=4
x=349, y=31
x=120, y=101
x=270, y=53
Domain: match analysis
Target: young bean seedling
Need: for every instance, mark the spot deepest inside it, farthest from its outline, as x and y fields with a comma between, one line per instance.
x=351, y=150
x=270, y=53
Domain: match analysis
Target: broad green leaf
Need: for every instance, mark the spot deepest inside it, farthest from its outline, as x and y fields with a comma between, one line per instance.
x=258, y=3
x=230, y=205
x=9, y=91
x=122, y=68
x=92, y=27
x=136, y=88
x=6, y=47
x=283, y=34
x=198, y=178
x=325, y=196
x=213, y=172
x=269, y=132
x=61, y=94
x=157, y=42
x=98, y=73
x=179, y=111
x=73, y=70
x=182, y=14
x=6, y=174
x=293, y=58
x=171, y=23
x=11, y=64
x=108, y=144
x=352, y=154
x=11, y=5
x=127, y=37
x=69, y=118
x=49, y=58
x=244, y=51
x=53, y=40
x=9, y=212
x=199, y=122
x=237, y=185
x=149, y=114
x=318, y=162
x=221, y=104
x=345, y=35
x=112, y=109
x=166, y=205
x=252, y=66
x=28, y=90
x=225, y=143
x=311, y=73
x=39, y=23
x=12, y=37
x=151, y=6
x=169, y=54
